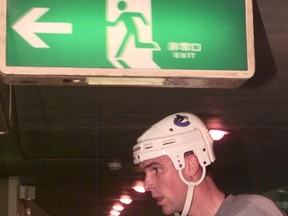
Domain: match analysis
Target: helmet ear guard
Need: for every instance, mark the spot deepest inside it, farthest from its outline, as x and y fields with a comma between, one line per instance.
x=174, y=136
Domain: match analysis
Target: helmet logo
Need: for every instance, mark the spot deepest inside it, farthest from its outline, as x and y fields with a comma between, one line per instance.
x=181, y=121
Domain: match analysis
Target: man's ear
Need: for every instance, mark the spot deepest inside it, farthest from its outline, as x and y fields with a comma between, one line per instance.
x=192, y=165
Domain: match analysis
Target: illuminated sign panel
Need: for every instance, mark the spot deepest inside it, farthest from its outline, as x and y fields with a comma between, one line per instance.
x=112, y=38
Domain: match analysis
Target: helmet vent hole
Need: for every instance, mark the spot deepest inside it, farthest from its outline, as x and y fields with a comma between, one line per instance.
x=168, y=143
x=204, y=149
x=171, y=129
x=148, y=146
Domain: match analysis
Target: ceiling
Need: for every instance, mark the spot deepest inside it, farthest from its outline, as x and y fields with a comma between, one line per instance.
x=61, y=138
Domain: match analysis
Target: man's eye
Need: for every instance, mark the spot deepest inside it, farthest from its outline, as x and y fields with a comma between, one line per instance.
x=156, y=169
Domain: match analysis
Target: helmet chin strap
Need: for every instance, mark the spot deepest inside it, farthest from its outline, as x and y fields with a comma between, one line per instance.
x=190, y=192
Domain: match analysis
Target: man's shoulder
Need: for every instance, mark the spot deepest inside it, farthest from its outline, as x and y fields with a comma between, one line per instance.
x=248, y=204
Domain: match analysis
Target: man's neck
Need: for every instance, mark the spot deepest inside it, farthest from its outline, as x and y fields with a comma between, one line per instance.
x=207, y=199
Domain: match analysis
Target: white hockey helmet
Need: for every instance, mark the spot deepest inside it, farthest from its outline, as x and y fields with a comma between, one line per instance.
x=173, y=136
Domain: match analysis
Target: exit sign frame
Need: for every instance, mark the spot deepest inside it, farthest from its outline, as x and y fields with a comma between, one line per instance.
x=138, y=56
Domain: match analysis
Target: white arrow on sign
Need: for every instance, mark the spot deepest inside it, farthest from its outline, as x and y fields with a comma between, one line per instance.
x=27, y=27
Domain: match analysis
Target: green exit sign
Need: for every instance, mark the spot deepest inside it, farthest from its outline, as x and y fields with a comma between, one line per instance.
x=194, y=43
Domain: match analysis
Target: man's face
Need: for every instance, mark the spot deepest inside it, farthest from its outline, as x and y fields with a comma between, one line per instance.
x=164, y=184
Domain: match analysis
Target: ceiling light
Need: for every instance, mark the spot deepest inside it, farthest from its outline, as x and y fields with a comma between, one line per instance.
x=217, y=134
x=118, y=207
x=125, y=199
x=114, y=213
x=139, y=187
x=115, y=164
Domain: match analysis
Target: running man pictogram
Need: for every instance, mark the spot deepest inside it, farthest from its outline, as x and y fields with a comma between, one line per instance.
x=131, y=29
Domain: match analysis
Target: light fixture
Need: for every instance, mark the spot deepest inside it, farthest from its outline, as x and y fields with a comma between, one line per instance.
x=139, y=187
x=144, y=81
x=125, y=199
x=115, y=164
x=217, y=134
x=118, y=207
x=114, y=213
x=27, y=212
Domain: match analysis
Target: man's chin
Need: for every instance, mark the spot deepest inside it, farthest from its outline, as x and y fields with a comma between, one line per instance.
x=167, y=211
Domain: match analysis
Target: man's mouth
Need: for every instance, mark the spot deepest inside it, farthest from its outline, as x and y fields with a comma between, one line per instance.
x=159, y=200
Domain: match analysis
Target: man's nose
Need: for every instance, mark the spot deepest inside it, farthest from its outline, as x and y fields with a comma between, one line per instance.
x=148, y=183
